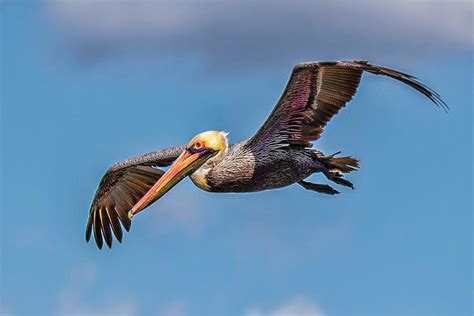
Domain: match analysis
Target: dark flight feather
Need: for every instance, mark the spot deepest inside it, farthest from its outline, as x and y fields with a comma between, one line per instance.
x=315, y=93
x=120, y=188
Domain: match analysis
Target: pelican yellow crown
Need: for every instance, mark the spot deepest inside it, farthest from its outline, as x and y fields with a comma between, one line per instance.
x=215, y=140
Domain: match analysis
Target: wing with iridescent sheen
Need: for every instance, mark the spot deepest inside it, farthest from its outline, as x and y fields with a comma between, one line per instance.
x=315, y=92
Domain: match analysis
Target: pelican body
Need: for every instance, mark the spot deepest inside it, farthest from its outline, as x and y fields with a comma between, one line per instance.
x=278, y=155
x=244, y=167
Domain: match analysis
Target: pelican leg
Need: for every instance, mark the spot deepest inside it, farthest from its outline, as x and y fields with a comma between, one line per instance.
x=321, y=188
x=337, y=177
x=334, y=167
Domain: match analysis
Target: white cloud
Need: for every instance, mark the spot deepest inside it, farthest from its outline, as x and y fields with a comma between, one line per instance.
x=173, y=309
x=296, y=307
x=256, y=33
x=5, y=311
x=71, y=298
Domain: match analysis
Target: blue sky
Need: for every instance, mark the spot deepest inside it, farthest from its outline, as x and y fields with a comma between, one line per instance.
x=79, y=93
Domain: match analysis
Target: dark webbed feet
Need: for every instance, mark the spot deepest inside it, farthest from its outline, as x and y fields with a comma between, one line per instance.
x=321, y=188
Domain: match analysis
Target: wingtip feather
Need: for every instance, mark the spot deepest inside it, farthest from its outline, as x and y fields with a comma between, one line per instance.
x=88, y=228
x=97, y=231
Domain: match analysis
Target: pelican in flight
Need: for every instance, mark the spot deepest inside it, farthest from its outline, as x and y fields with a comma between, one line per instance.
x=278, y=155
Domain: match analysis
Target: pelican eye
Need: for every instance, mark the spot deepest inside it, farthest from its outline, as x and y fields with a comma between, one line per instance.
x=198, y=145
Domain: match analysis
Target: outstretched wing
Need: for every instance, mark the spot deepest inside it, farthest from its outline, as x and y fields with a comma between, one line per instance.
x=315, y=93
x=120, y=188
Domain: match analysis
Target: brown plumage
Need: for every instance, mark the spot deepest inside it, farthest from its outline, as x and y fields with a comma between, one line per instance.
x=277, y=155
x=120, y=188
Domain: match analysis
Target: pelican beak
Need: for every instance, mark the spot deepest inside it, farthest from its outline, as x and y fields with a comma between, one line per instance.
x=184, y=165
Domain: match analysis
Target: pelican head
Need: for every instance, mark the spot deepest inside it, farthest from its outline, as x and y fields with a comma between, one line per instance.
x=199, y=151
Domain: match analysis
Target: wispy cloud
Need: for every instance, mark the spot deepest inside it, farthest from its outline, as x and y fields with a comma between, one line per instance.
x=298, y=306
x=72, y=297
x=173, y=309
x=244, y=34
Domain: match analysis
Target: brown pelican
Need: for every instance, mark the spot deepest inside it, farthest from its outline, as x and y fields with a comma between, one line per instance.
x=278, y=155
